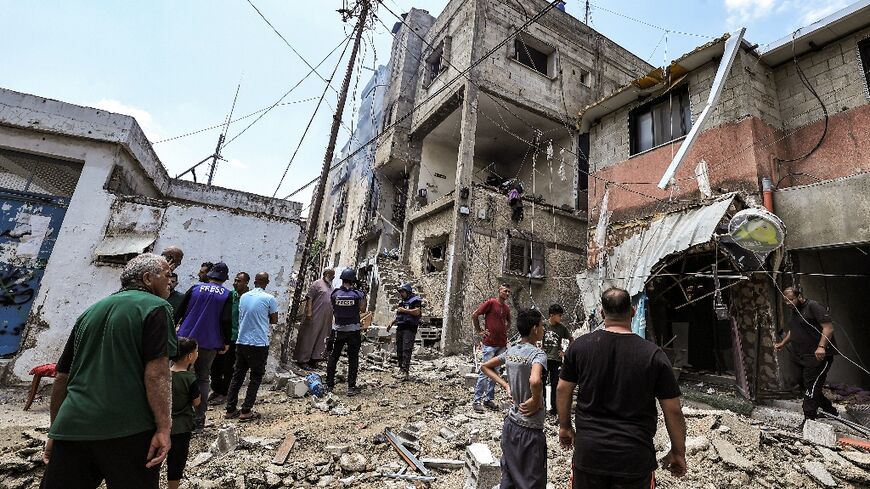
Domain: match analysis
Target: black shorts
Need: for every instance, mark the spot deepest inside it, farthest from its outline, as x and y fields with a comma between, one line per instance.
x=585, y=480
x=177, y=458
x=84, y=464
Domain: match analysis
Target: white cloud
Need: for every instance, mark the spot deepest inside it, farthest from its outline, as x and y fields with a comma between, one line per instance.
x=811, y=14
x=741, y=12
x=152, y=130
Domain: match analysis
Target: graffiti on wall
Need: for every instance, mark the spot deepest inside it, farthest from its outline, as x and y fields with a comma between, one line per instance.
x=28, y=230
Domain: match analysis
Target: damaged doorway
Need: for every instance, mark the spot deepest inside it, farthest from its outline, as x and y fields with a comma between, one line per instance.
x=683, y=317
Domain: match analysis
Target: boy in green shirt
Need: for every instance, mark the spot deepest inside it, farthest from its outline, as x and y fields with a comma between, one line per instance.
x=554, y=333
x=185, y=397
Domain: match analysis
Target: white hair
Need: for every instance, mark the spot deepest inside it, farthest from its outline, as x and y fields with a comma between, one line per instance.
x=139, y=266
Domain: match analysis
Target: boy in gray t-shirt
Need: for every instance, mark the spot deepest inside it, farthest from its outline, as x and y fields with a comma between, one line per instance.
x=523, y=445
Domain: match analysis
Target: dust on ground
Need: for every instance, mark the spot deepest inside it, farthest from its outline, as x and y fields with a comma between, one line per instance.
x=342, y=444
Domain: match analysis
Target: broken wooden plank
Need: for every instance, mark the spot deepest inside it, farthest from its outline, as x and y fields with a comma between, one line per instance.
x=406, y=455
x=284, y=450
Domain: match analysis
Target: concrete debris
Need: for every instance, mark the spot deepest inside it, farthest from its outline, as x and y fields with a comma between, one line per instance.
x=200, y=459
x=818, y=472
x=226, y=441
x=447, y=434
x=731, y=456
x=482, y=470
x=352, y=462
x=443, y=463
x=695, y=444
x=820, y=433
x=862, y=459
x=296, y=387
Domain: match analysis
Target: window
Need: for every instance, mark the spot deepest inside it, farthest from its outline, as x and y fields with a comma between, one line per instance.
x=585, y=78
x=534, y=54
x=340, y=208
x=388, y=115
x=435, y=253
x=437, y=61
x=864, y=52
x=664, y=119
x=525, y=257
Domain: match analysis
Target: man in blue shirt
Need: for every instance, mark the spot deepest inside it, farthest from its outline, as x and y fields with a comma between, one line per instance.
x=347, y=305
x=257, y=311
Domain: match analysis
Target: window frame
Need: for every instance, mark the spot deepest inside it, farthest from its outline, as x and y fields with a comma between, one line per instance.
x=436, y=62
x=543, y=48
x=863, y=49
x=530, y=247
x=664, y=104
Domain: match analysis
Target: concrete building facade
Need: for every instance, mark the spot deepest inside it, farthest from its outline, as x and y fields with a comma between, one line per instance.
x=796, y=115
x=83, y=191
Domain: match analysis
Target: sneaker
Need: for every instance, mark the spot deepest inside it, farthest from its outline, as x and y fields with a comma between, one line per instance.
x=312, y=365
x=405, y=376
x=352, y=391
x=492, y=405
x=217, y=400
x=232, y=414
x=478, y=407
x=303, y=366
x=249, y=416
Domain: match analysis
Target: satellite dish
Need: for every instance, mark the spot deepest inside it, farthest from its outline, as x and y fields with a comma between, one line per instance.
x=757, y=230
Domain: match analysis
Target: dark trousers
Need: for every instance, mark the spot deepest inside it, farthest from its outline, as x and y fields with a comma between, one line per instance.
x=247, y=357
x=353, y=340
x=202, y=368
x=523, y=457
x=84, y=464
x=812, y=378
x=553, y=368
x=405, y=336
x=177, y=458
x=222, y=370
x=585, y=480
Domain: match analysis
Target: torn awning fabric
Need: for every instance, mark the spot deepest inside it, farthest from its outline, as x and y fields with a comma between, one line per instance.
x=629, y=264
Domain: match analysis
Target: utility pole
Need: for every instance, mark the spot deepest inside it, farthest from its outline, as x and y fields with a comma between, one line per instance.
x=314, y=212
x=587, y=12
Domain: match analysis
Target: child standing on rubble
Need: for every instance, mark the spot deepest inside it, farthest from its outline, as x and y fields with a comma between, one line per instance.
x=523, y=445
x=185, y=398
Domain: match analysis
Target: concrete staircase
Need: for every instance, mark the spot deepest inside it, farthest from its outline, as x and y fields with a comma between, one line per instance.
x=392, y=274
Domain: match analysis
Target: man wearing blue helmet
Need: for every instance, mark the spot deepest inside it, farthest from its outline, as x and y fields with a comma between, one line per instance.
x=406, y=322
x=348, y=303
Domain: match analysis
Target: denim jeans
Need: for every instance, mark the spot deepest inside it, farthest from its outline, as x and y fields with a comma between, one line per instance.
x=484, y=382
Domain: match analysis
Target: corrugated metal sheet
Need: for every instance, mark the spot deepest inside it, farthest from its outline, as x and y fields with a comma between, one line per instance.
x=629, y=265
x=125, y=244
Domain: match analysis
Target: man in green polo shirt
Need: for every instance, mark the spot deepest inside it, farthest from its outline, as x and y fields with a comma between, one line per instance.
x=110, y=402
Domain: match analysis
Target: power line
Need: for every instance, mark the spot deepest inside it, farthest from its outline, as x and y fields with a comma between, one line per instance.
x=619, y=14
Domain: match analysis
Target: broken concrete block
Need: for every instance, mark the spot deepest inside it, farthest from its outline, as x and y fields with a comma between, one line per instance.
x=858, y=458
x=731, y=456
x=281, y=380
x=337, y=450
x=296, y=387
x=352, y=462
x=818, y=472
x=443, y=463
x=695, y=444
x=447, y=434
x=227, y=440
x=470, y=380
x=200, y=459
x=820, y=433
x=482, y=470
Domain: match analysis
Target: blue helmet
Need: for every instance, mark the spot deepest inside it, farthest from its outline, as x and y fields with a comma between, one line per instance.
x=407, y=288
x=348, y=275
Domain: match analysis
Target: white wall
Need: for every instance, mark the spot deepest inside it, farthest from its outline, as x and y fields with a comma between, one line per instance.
x=437, y=158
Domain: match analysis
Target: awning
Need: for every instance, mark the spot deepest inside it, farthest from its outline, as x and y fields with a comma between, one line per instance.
x=629, y=265
x=125, y=245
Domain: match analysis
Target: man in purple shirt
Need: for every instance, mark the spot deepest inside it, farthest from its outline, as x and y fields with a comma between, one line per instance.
x=205, y=314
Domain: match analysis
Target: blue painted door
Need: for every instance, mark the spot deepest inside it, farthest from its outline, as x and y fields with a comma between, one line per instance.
x=29, y=224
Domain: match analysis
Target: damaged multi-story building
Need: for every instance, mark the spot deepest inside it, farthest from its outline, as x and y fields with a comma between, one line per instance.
x=789, y=131
x=82, y=193
x=480, y=101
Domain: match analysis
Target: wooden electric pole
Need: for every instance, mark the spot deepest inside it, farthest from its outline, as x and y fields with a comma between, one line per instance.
x=314, y=212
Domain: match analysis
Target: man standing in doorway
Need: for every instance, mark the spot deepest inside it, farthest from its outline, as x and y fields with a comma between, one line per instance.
x=222, y=367
x=407, y=321
x=311, y=342
x=810, y=340
x=110, y=402
x=205, y=314
x=258, y=310
x=620, y=376
x=348, y=304
x=493, y=339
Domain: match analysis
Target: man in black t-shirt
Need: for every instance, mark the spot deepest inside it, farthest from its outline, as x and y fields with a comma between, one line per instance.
x=620, y=376
x=810, y=338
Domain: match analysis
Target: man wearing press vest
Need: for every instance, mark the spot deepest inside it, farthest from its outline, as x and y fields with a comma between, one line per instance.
x=407, y=321
x=347, y=305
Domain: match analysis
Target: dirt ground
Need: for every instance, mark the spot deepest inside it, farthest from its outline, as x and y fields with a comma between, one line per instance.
x=725, y=450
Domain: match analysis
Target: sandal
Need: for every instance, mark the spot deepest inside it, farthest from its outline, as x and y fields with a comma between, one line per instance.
x=249, y=416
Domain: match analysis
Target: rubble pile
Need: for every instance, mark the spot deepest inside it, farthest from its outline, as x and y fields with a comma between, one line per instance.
x=339, y=441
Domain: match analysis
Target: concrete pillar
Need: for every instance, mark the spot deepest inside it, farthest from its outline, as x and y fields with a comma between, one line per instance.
x=457, y=334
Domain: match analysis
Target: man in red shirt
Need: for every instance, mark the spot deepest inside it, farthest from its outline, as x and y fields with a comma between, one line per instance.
x=493, y=338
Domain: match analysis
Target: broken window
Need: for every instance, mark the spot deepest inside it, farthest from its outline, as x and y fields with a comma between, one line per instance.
x=437, y=62
x=534, y=54
x=339, y=213
x=435, y=252
x=864, y=52
x=664, y=119
x=525, y=257
x=585, y=78
x=132, y=230
x=388, y=115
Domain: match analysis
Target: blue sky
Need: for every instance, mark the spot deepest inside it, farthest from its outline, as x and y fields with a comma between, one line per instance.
x=174, y=65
